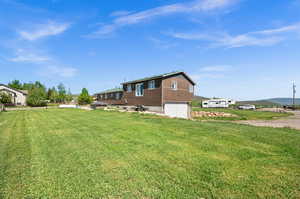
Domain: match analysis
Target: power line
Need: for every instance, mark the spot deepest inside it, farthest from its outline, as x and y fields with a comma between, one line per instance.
x=294, y=94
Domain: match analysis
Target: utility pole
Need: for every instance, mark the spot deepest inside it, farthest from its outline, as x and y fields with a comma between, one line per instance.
x=294, y=95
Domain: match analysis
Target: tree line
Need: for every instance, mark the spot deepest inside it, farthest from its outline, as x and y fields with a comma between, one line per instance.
x=40, y=95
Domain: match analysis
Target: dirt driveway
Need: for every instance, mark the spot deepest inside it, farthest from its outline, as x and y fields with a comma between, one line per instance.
x=292, y=122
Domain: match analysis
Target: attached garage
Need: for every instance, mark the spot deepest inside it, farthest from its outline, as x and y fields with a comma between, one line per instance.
x=179, y=110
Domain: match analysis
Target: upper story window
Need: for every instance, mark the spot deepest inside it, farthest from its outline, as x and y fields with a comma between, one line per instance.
x=151, y=84
x=174, y=85
x=118, y=96
x=139, y=90
x=105, y=96
x=129, y=88
x=191, y=89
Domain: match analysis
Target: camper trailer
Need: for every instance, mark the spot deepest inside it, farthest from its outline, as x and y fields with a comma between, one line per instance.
x=217, y=103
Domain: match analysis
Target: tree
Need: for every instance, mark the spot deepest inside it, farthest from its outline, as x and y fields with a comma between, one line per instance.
x=52, y=95
x=5, y=98
x=61, y=93
x=69, y=96
x=84, y=97
x=37, y=97
x=37, y=94
x=16, y=84
x=28, y=86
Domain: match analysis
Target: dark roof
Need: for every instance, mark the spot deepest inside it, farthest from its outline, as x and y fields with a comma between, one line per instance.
x=165, y=75
x=114, y=90
x=25, y=92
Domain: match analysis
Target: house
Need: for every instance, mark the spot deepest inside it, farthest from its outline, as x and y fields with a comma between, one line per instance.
x=111, y=97
x=217, y=103
x=18, y=96
x=169, y=93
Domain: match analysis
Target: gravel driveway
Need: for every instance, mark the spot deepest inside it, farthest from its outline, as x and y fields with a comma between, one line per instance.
x=292, y=122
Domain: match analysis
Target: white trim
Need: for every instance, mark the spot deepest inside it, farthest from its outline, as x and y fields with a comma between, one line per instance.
x=174, y=85
x=152, y=83
x=129, y=86
x=139, y=93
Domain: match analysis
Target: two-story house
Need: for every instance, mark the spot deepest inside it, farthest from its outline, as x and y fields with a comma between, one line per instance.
x=169, y=93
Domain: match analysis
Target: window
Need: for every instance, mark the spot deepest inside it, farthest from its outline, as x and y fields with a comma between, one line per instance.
x=105, y=96
x=191, y=89
x=174, y=85
x=151, y=84
x=139, y=91
x=117, y=96
x=129, y=88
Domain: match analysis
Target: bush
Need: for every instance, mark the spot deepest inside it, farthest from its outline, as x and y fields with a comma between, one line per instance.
x=36, y=97
x=196, y=103
x=5, y=98
x=84, y=98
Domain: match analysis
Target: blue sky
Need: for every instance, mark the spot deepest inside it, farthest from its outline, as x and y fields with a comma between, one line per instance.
x=241, y=49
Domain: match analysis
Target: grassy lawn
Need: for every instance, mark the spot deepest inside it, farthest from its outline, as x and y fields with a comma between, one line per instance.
x=243, y=114
x=78, y=154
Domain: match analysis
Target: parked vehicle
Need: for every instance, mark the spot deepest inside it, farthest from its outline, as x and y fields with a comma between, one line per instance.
x=140, y=108
x=217, y=103
x=247, y=107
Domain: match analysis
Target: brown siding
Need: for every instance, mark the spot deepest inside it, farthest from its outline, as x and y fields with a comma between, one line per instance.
x=111, y=98
x=113, y=102
x=182, y=93
x=152, y=97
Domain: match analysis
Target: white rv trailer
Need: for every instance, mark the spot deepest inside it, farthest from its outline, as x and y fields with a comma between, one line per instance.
x=217, y=103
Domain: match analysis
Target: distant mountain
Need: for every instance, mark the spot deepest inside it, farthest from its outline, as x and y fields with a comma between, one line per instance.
x=264, y=102
x=199, y=98
x=284, y=101
x=259, y=103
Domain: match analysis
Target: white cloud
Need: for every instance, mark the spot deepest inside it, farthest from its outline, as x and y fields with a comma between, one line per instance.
x=212, y=72
x=139, y=17
x=266, y=37
x=120, y=13
x=162, y=44
x=198, y=77
x=218, y=68
x=29, y=57
x=246, y=40
x=49, y=66
x=40, y=31
x=59, y=71
x=284, y=29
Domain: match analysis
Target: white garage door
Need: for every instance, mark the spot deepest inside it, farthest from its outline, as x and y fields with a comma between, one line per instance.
x=180, y=110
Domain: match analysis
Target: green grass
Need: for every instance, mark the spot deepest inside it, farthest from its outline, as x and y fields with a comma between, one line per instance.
x=78, y=154
x=243, y=114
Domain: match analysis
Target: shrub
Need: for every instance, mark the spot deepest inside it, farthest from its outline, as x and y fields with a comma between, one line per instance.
x=196, y=103
x=36, y=97
x=5, y=98
x=84, y=97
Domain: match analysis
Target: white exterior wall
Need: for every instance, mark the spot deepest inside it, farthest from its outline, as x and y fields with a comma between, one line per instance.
x=19, y=99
